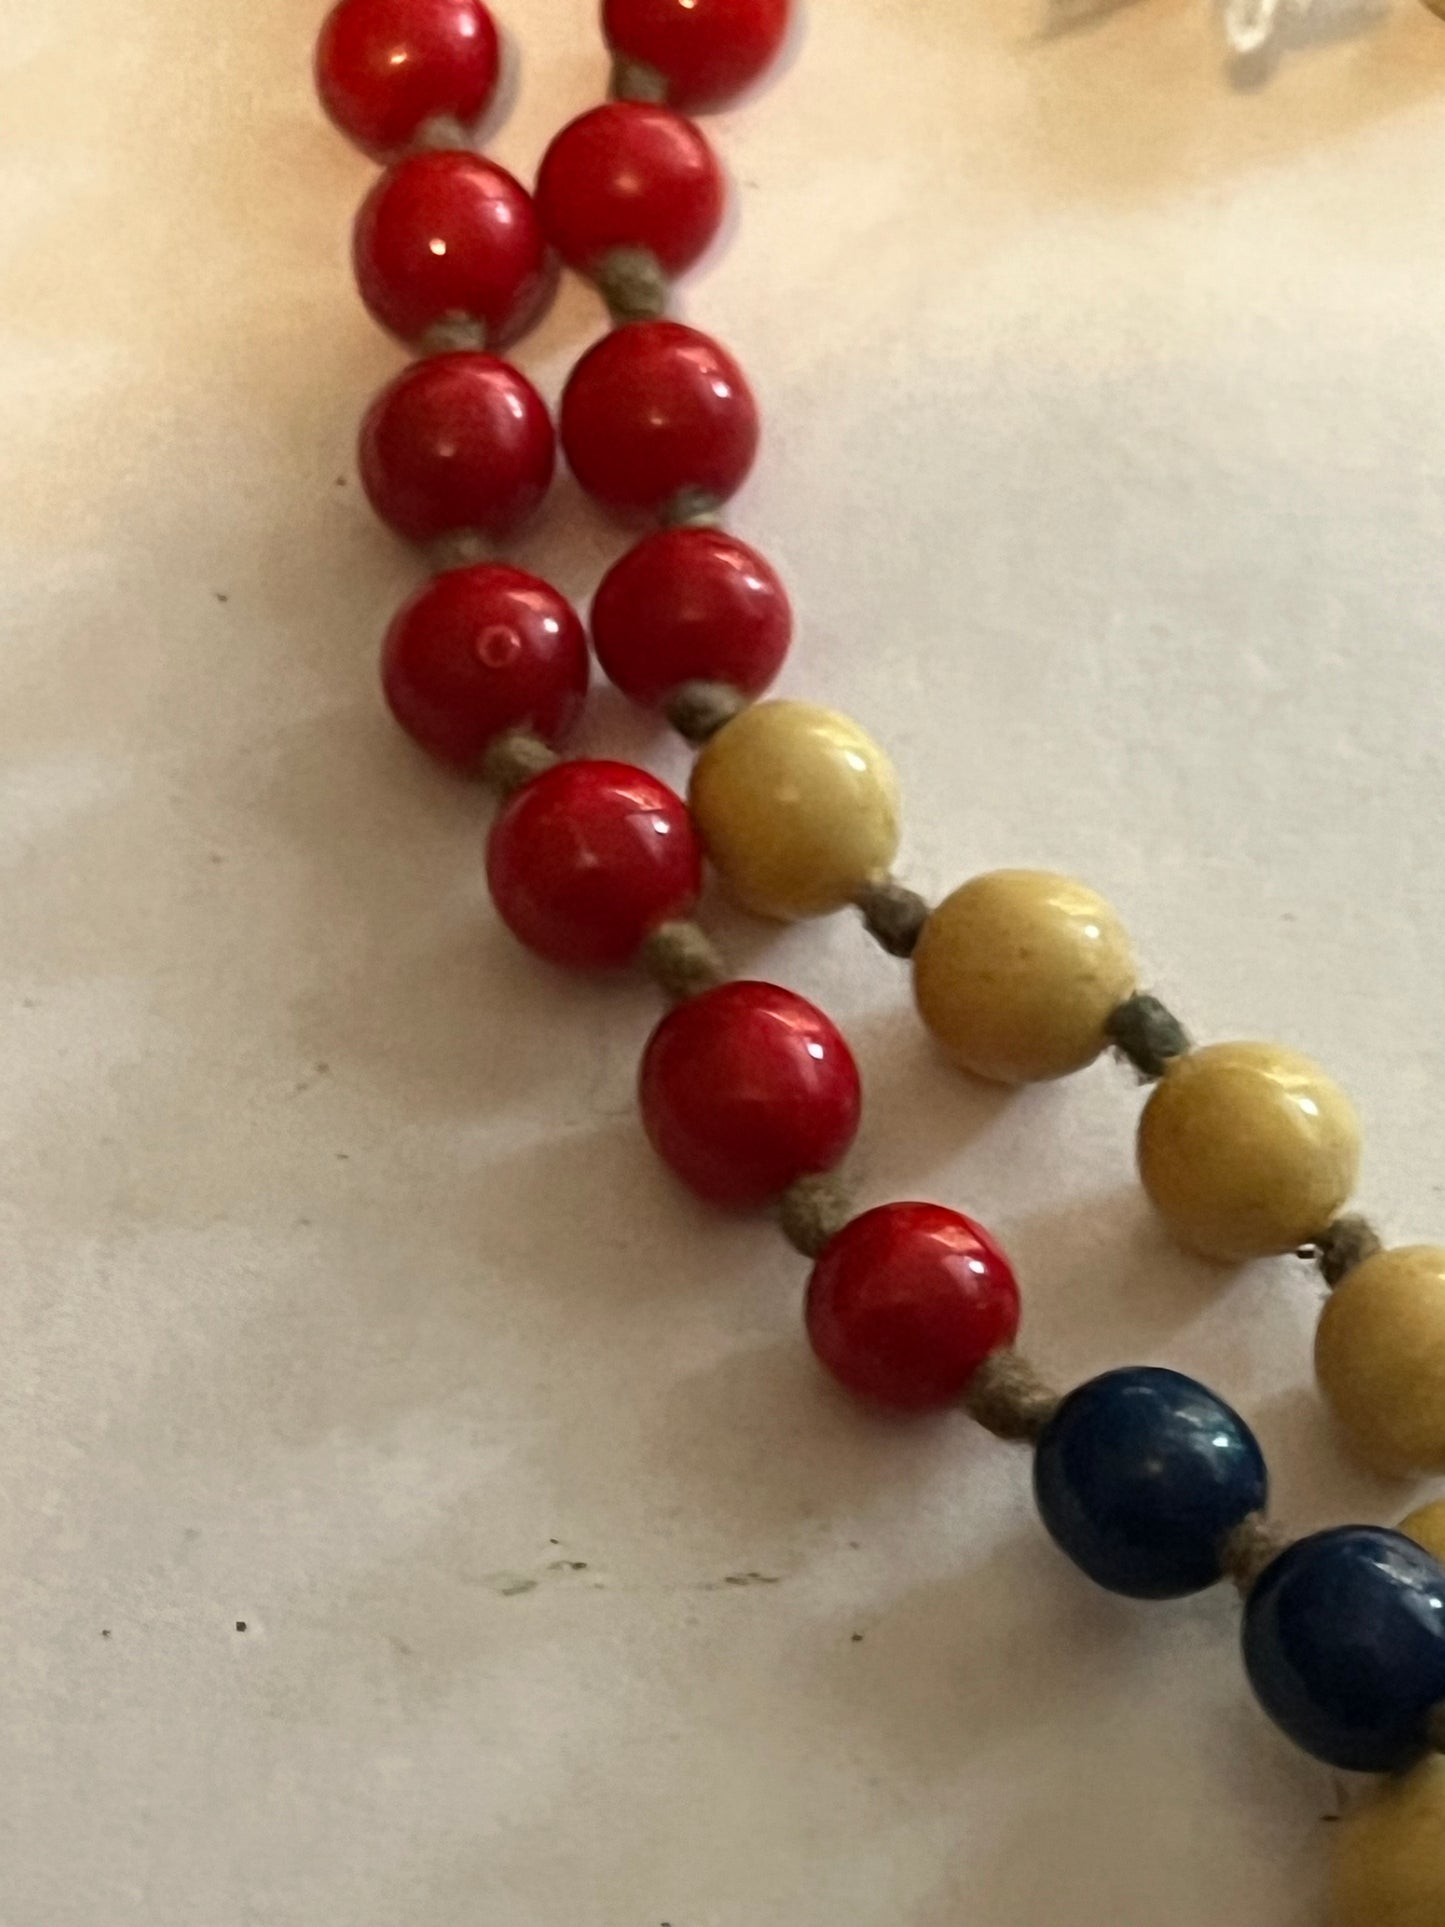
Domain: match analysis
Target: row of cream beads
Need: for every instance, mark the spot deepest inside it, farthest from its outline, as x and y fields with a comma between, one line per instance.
x=1246, y=1150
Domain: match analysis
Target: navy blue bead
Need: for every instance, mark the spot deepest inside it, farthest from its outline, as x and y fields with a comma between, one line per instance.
x=1140, y=1477
x=1344, y=1644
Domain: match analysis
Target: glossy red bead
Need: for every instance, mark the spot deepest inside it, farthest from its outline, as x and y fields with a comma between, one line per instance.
x=457, y=442
x=586, y=861
x=478, y=652
x=630, y=176
x=746, y=1089
x=383, y=67
x=707, y=51
x=655, y=412
x=690, y=605
x=907, y=1302
x=449, y=234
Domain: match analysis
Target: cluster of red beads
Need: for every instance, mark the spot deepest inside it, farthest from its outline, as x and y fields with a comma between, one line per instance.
x=452, y=253
x=745, y=1089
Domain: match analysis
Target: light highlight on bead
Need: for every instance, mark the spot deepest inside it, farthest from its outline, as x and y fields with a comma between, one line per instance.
x=798, y=808
x=1016, y=973
x=1247, y=1150
x=1380, y=1358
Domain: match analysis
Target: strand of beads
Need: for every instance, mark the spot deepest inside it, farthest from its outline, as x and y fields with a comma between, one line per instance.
x=486, y=667
x=1146, y=1480
x=1022, y=976
x=1246, y=1150
x=593, y=864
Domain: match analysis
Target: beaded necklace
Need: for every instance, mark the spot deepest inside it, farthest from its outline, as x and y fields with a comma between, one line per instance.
x=1147, y=1480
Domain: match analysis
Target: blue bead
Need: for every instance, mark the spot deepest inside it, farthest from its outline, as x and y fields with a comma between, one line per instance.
x=1140, y=1477
x=1344, y=1644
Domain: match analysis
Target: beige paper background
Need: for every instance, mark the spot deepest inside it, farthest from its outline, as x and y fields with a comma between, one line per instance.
x=339, y=1296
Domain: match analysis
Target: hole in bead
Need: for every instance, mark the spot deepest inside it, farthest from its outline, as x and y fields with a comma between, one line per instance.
x=497, y=647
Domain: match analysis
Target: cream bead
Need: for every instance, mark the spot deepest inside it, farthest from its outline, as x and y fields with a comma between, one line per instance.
x=1016, y=973
x=1426, y=1526
x=1247, y=1150
x=1380, y=1358
x=798, y=808
x=1388, y=1854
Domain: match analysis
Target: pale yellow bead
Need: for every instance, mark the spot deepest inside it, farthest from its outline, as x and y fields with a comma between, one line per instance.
x=798, y=809
x=1247, y=1149
x=1016, y=972
x=1380, y=1359
x=1426, y=1526
x=1388, y=1854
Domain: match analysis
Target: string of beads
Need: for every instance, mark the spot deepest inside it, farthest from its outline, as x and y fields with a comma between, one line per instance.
x=1147, y=1480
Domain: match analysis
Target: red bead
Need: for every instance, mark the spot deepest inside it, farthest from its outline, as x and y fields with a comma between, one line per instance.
x=746, y=1089
x=457, y=442
x=706, y=50
x=478, y=652
x=449, y=234
x=383, y=67
x=690, y=605
x=907, y=1302
x=630, y=176
x=655, y=412
x=588, y=859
